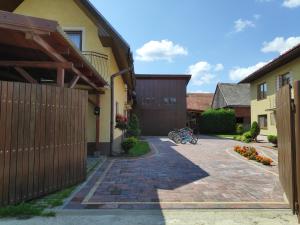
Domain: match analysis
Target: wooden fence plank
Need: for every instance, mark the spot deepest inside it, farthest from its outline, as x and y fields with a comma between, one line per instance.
x=42, y=140
x=37, y=141
x=20, y=146
x=2, y=136
x=56, y=137
x=7, y=143
x=51, y=138
x=14, y=144
x=31, y=141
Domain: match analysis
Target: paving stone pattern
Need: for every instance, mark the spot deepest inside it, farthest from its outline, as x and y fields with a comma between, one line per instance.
x=207, y=175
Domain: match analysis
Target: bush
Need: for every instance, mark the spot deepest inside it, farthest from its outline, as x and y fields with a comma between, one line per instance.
x=247, y=137
x=239, y=128
x=215, y=121
x=129, y=143
x=255, y=130
x=272, y=139
x=133, y=127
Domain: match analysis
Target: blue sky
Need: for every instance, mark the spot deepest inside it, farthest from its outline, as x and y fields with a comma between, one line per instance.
x=214, y=40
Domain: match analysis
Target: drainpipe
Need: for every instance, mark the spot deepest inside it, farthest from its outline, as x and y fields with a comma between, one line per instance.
x=112, y=105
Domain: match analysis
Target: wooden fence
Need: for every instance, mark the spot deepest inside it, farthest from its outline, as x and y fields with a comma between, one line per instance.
x=42, y=140
x=288, y=127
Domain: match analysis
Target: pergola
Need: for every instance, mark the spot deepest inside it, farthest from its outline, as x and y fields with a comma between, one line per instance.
x=36, y=50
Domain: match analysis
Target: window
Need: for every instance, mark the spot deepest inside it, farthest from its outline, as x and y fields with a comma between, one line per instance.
x=173, y=100
x=76, y=38
x=283, y=80
x=262, y=91
x=263, y=121
x=166, y=100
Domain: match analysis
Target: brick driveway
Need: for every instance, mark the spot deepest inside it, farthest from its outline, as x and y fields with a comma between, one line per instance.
x=206, y=175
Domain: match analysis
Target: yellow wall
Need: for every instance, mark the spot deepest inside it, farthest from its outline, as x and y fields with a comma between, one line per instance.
x=69, y=15
x=265, y=106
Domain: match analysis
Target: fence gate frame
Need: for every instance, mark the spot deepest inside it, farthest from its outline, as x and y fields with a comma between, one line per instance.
x=288, y=127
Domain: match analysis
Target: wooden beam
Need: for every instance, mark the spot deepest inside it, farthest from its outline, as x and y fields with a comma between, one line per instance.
x=50, y=51
x=25, y=75
x=60, y=77
x=77, y=72
x=92, y=101
x=74, y=81
x=37, y=64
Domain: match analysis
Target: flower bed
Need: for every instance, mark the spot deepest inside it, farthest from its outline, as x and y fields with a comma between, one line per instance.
x=252, y=154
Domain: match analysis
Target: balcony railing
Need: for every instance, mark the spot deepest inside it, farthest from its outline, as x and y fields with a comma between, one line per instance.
x=100, y=63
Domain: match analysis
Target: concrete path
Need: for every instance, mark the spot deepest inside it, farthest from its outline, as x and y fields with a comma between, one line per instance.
x=207, y=175
x=163, y=217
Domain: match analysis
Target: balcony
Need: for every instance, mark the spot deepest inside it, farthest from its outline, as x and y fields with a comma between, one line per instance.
x=100, y=63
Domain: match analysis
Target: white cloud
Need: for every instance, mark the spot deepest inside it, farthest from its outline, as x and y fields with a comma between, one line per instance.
x=239, y=73
x=203, y=72
x=160, y=50
x=219, y=67
x=279, y=44
x=240, y=25
x=291, y=3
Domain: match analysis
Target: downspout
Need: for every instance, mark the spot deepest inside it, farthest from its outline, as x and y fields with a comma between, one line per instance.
x=112, y=105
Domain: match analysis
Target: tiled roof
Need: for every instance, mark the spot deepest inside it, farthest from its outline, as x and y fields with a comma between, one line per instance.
x=235, y=94
x=199, y=101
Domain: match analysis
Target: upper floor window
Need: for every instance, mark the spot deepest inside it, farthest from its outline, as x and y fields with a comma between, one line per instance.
x=284, y=79
x=75, y=37
x=262, y=91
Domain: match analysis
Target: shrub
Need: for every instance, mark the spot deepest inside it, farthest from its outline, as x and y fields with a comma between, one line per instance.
x=255, y=130
x=239, y=128
x=246, y=137
x=133, y=127
x=217, y=121
x=272, y=139
x=129, y=143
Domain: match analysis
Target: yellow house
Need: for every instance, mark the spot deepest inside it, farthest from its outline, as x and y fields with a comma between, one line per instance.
x=106, y=50
x=264, y=84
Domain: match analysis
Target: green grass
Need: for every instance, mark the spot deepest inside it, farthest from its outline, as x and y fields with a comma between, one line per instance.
x=230, y=136
x=37, y=207
x=141, y=148
x=22, y=210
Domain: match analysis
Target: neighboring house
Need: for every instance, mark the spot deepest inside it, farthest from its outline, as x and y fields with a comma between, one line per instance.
x=264, y=84
x=236, y=97
x=196, y=104
x=161, y=102
x=107, y=53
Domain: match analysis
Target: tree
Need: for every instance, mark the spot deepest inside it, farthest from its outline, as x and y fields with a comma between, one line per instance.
x=133, y=127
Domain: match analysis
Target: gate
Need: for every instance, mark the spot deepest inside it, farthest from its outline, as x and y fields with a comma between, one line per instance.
x=286, y=143
x=288, y=127
x=42, y=140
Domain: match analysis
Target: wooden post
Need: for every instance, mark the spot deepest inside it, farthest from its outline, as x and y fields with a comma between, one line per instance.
x=297, y=147
x=60, y=78
x=97, y=123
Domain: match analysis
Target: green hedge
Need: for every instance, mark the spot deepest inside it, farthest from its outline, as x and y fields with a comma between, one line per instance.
x=214, y=121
